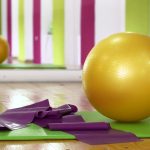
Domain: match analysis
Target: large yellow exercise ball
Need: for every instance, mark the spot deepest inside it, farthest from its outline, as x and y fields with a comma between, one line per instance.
x=4, y=49
x=116, y=77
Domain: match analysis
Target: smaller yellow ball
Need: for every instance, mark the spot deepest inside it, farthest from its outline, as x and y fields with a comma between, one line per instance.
x=116, y=77
x=4, y=49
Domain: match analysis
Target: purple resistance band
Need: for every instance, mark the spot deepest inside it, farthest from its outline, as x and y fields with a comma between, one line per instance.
x=63, y=118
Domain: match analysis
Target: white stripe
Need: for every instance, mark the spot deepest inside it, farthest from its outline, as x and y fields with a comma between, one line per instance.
x=4, y=18
x=72, y=34
x=110, y=18
x=28, y=20
x=46, y=39
x=15, y=36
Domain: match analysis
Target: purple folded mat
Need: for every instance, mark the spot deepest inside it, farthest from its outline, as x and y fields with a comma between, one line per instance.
x=63, y=118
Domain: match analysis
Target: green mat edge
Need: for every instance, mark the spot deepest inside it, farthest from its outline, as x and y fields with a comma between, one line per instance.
x=62, y=135
x=116, y=125
x=30, y=66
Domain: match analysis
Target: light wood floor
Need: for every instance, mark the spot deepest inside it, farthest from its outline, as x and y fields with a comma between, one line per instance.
x=20, y=94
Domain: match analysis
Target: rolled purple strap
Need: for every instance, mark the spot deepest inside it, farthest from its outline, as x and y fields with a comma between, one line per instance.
x=72, y=118
x=94, y=132
x=79, y=126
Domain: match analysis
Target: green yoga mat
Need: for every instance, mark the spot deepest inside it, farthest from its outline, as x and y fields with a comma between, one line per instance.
x=140, y=129
x=34, y=132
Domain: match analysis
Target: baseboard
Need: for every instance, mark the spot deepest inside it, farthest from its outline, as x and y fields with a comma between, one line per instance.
x=38, y=75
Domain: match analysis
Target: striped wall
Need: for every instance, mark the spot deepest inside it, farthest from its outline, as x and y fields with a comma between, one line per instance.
x=62, y=32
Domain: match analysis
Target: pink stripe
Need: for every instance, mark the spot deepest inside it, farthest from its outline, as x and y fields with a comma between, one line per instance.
x=87, y=27
x=36, y=31
x=9, y=32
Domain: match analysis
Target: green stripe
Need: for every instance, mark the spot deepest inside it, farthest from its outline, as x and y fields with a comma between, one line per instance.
x=58, y=32
x=138, y=16
x=21, y=31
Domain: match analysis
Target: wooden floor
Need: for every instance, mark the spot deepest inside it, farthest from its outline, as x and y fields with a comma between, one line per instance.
x=20, y=94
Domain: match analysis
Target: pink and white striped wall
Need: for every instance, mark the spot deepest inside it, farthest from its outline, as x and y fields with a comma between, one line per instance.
x=44, y=32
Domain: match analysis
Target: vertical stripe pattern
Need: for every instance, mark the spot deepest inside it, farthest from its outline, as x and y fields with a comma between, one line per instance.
x=62, y=32
x=4, y=18
x=9, y=31
x=109, y=18
x=87, y=27
x=138, y=16
x=28, y=29
x=21, y=31
x=72, y=34
x=36, y=31
x=0, y=16
x=58, y=32
x=15, y=27
x=46, y=33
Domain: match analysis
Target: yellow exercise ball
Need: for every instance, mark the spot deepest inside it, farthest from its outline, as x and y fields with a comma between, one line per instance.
x=116, y=77
x=4, y=49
